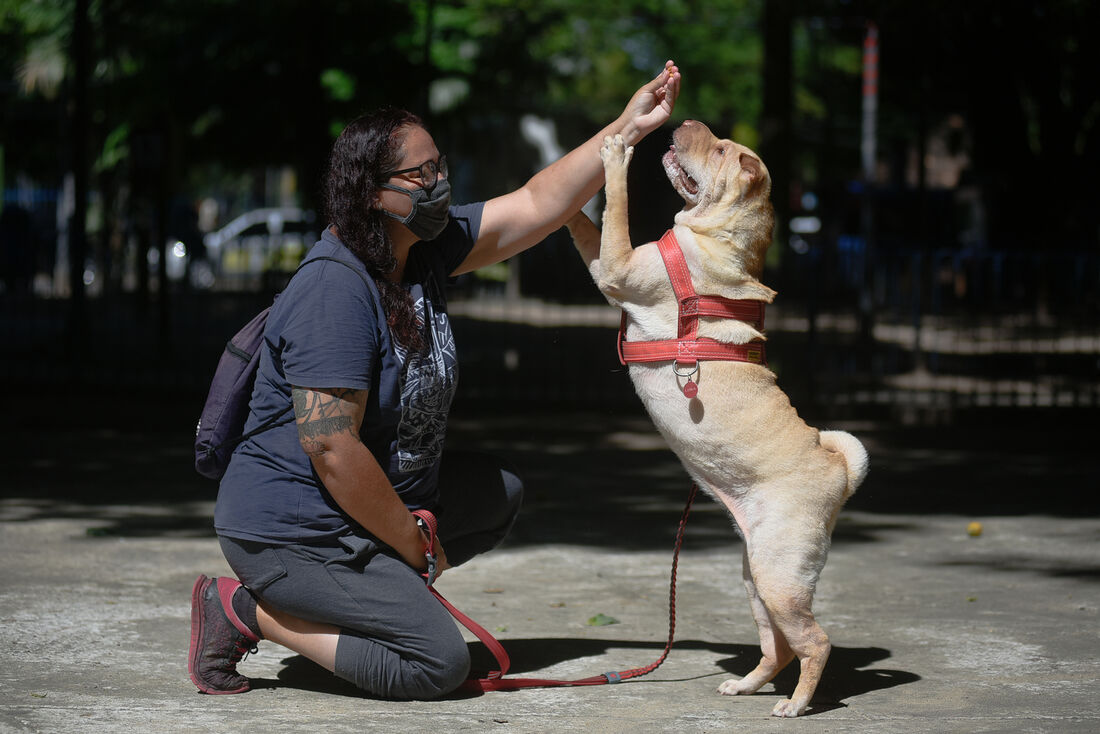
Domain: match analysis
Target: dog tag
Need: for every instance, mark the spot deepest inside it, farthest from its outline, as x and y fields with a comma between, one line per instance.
x=690, y=389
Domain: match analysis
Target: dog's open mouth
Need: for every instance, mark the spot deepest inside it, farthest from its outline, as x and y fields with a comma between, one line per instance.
x=677, y=173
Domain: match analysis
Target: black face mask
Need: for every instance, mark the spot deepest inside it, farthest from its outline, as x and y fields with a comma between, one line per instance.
x=430, y=211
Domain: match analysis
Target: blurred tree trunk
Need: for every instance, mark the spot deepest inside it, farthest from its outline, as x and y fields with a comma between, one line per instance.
x=775, y=125
x=79, y=131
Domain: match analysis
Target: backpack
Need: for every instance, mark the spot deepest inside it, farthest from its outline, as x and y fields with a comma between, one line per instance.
x=221, y=424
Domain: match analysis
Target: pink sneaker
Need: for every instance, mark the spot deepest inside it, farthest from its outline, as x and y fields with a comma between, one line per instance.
x=219, y=639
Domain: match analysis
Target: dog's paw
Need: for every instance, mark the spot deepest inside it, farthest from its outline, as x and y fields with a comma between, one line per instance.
x=735, y=687
x=615, y=153
x=787, y=709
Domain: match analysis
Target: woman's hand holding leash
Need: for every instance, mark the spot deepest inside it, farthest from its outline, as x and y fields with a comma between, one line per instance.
x=434, y=562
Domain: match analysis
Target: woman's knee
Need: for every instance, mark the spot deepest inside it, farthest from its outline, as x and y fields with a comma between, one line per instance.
x=403, y=674
x=513, y=490
x=441, y=675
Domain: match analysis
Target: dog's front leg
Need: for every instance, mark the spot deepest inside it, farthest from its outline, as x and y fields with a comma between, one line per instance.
x=615, y=249
x=586, y=238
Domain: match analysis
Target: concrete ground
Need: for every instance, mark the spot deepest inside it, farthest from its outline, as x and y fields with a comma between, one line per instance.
x=103, y=528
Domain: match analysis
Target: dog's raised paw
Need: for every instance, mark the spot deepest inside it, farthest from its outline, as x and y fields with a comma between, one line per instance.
x=615, y=152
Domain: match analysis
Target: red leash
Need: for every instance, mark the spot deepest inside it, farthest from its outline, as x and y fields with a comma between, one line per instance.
x=494, y=680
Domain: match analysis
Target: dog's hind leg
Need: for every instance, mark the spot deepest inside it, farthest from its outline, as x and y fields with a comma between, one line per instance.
x=775, y=652
x=787, y=590
x=784, y=561
x=810, y=643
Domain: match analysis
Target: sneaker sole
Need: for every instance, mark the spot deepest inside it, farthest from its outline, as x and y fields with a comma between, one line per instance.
x=197, y=592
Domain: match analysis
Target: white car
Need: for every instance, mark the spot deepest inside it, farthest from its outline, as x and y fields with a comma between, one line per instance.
x=260, y=241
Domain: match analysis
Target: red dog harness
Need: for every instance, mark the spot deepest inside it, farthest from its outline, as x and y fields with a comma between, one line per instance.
x=688, y=348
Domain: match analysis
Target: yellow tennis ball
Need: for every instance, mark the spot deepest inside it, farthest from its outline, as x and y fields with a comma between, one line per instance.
x=974, y=529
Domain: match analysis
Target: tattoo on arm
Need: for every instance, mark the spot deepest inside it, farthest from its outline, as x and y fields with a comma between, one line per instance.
x=322, y=415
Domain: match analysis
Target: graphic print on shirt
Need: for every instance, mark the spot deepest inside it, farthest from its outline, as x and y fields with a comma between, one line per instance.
x=430, y=382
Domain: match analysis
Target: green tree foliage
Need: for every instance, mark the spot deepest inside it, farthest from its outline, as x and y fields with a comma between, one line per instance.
x=247, y=83
x=201, y=88
x=236, y=84
x=580, y=58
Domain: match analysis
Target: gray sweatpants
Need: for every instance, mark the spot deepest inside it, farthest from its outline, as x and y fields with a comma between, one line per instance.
x=396, y=641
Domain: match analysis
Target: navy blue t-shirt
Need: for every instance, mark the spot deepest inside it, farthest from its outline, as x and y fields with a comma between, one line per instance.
x=328, y=330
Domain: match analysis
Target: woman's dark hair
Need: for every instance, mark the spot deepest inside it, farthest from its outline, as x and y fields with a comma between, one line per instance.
x=369, y=146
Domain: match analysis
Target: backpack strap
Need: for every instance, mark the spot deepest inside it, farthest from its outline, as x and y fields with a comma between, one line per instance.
x=281, y=418
x=335, y=260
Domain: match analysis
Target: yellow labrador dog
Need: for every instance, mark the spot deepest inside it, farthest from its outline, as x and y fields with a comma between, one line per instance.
x=734, y=429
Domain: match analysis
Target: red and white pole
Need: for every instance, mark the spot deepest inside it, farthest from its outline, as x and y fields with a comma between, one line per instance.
x=870, y=101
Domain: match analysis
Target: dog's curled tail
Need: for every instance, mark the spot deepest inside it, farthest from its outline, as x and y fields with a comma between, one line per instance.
x=855, y=456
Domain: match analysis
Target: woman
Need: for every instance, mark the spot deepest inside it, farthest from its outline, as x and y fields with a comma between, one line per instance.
x=314, y=517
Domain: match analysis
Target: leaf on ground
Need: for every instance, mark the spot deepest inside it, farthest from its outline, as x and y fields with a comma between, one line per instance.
x=600, y=620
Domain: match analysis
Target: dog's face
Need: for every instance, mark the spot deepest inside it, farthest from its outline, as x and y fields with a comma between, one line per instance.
x=712, y=173
x=725, y=187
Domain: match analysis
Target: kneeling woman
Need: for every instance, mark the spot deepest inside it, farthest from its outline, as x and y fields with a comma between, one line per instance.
x=314, y=516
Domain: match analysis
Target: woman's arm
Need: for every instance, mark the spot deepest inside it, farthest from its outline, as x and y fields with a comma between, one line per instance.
x=328, y=429
x=516, y=221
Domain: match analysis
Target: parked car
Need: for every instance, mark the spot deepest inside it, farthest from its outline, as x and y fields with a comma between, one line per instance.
x=259, y=243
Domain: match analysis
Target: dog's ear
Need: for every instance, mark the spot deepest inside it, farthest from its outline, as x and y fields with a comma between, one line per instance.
x=751, y=170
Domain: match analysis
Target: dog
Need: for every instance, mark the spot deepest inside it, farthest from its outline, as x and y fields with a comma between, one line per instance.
x=734, y=429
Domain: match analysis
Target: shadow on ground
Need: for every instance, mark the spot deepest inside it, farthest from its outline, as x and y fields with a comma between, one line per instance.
x=127, y=470
x=850, y=671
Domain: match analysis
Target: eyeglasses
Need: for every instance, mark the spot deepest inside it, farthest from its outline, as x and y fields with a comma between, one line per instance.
x=426, y=171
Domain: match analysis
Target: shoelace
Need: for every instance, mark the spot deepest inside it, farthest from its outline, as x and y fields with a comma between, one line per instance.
x=240, y=649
